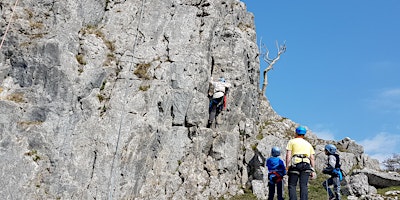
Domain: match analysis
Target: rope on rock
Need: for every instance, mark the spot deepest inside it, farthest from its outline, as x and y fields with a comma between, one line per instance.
x=8, y=26
x=111, y=180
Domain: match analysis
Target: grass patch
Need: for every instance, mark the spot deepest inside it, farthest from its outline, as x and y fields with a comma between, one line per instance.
x=34, y=154
x=244, y=26
x=103, y=85
x=141, y=70
x=36, y=25
x=144, y=88
x=81, y=59
x=110, y=59
x=259, y=136
x=17, y=97
x=315, y=188
x=382, y=191
x=283, y=119
x=36, y=36
x=101, y=97
x=341, y=148
x=248, y=195
x=109, y=44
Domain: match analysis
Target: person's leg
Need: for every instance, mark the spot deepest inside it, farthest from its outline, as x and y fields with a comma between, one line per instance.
x=292, y=183
x=336, y=187
x=304, y=185
x=326, y=185
x=213, y=112
x=279, y=190
x=219, y=103
x=271, y=191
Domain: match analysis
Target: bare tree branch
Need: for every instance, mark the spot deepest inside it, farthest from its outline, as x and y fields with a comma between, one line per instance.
x=270, y=61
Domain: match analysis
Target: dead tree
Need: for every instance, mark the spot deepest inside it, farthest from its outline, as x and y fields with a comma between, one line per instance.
x=269, y=61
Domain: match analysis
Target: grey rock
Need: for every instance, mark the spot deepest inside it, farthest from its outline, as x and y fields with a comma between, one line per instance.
x=356, y=185
x=109, y=100
x=259, y=189
x=381, y=179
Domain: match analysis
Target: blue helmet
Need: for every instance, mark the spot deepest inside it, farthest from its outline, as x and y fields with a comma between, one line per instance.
x=301, y=130
x=275, y=151
x=221, y=79
x=330, y=148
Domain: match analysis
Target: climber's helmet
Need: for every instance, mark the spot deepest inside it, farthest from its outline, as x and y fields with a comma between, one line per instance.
x=330, y=148
x=301, y=130
x=275, y=151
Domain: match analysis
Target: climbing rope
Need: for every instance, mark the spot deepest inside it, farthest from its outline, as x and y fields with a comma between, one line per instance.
x=232, y=48
x=111, y=180
x=8, y=26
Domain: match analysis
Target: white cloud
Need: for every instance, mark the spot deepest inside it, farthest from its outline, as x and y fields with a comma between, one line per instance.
x=325, y=134
x=382, y=145
x=391, y=93
x=387, y=100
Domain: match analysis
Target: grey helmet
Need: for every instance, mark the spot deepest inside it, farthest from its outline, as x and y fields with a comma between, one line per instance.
x=330, y=148
x=275, y=151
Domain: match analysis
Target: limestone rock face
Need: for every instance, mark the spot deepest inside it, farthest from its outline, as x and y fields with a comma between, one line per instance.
x=109, y=99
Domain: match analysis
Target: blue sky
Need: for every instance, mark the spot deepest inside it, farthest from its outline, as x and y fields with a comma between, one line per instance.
x=340, y=75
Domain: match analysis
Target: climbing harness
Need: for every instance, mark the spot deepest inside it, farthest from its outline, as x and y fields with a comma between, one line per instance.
x=8, y=25
x=111, y=180
x=298, y=156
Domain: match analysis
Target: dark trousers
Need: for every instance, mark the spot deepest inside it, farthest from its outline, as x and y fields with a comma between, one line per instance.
x=302, y=178
x=336, y=187
x=214, y=103
x=279, y=190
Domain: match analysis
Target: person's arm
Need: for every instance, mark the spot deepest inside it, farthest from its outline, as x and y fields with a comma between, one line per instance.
x=332, y=161
x=313, y=174
x=288, y=158
x=312, y=160
x=283, y=167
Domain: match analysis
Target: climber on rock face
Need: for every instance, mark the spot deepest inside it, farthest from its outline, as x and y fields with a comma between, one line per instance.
x=217, y=100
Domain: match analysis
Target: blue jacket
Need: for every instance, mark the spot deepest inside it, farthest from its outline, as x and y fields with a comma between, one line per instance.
x=275, y=164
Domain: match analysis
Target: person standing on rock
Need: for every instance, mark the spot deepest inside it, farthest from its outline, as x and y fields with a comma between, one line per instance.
x=300, y=163
x=276, y=171
x=220, y=90
x=333, y=169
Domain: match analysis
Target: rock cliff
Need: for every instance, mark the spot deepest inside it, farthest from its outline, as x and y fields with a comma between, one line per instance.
x=108, y=99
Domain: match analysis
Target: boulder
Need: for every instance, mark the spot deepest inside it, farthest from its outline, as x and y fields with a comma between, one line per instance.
x=381, y=179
